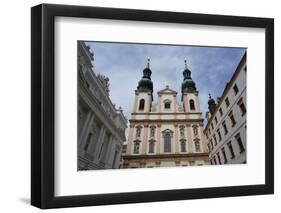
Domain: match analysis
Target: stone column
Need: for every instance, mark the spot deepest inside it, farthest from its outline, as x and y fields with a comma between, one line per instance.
x=85, y=129
x=159, y=105
x=176, y=146
x=189, y=140
x=107, y=158
x=130, y=140
x=158, y=140
x=175, y=105
x=112, y=152
x=117, y=160
x=99, y=143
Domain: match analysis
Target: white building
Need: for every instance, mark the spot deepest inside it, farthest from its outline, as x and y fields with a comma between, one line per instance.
x=226, y=121
x=165, y=133
x=101, y=128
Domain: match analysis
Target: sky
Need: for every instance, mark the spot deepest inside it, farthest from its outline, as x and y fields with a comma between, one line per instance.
x=211, y=68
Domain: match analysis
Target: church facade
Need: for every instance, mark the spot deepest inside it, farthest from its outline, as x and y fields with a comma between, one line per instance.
x=165, y=133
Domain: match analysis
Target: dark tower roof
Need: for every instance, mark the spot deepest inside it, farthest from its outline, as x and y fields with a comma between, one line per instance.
x=146, y=83
x=188, y=84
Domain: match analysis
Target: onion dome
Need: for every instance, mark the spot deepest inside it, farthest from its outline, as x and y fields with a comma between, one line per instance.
x=211, y=100
x=212, y=104
x=146, y=83
x=188, y=84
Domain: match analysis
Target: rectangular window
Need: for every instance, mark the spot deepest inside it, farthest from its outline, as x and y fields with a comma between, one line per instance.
x=151, y=147
x=215, y=160
x=167, y=143
x=219, y=134
x=233, y=122
x=216, y=120
x=235, y=89
x=225, y=128
x=231, y=149
x=215, y=139
x=211, y=144
x=224, y=155
x=219, y=157
x=221, y=113
x=227, y=102
x=242, y=107
x=240, y=144
x=167, y=105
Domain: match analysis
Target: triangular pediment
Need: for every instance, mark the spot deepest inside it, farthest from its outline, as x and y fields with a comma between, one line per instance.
x=167, y=90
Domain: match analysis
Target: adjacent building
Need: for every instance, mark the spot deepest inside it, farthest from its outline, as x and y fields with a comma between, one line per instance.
x=165, y=133
x=101, y=127
x=226, y=121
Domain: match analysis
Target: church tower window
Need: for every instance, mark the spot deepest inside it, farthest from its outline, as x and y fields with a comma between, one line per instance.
x=167, y=105
x=191, y=104
x=141, y=105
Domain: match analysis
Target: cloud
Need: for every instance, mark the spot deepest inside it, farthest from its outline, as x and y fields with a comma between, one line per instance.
x=211, y=67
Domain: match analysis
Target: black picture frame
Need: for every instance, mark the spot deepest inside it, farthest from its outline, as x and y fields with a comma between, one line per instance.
x=43, y=105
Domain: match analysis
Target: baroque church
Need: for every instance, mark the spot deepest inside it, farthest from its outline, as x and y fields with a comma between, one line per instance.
x=165, y=133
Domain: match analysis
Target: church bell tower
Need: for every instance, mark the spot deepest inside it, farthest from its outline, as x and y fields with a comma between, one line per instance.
x=144, y=92
x=189, y=92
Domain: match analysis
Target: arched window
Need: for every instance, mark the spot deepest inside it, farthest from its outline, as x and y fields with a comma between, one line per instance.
x=136, y=147
x=197, y=146
x=141, y=106
x=183, y=146
x=191, y=104
x=167, y=104
x=167, y=142
x=151, y=147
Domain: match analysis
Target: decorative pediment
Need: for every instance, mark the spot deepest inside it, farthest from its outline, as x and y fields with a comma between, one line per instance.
x=167, y=132
x=167, y=90
x=137, y=141
x=196, y=139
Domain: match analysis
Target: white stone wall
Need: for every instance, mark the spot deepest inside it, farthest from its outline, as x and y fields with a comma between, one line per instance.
x=239, y=128
x=101, y=128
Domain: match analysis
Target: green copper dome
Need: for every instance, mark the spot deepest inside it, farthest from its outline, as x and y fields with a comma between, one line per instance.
x=146, y=83
x=188, y=84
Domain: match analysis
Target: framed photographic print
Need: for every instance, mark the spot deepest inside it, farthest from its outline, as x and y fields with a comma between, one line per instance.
x=139, y=106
